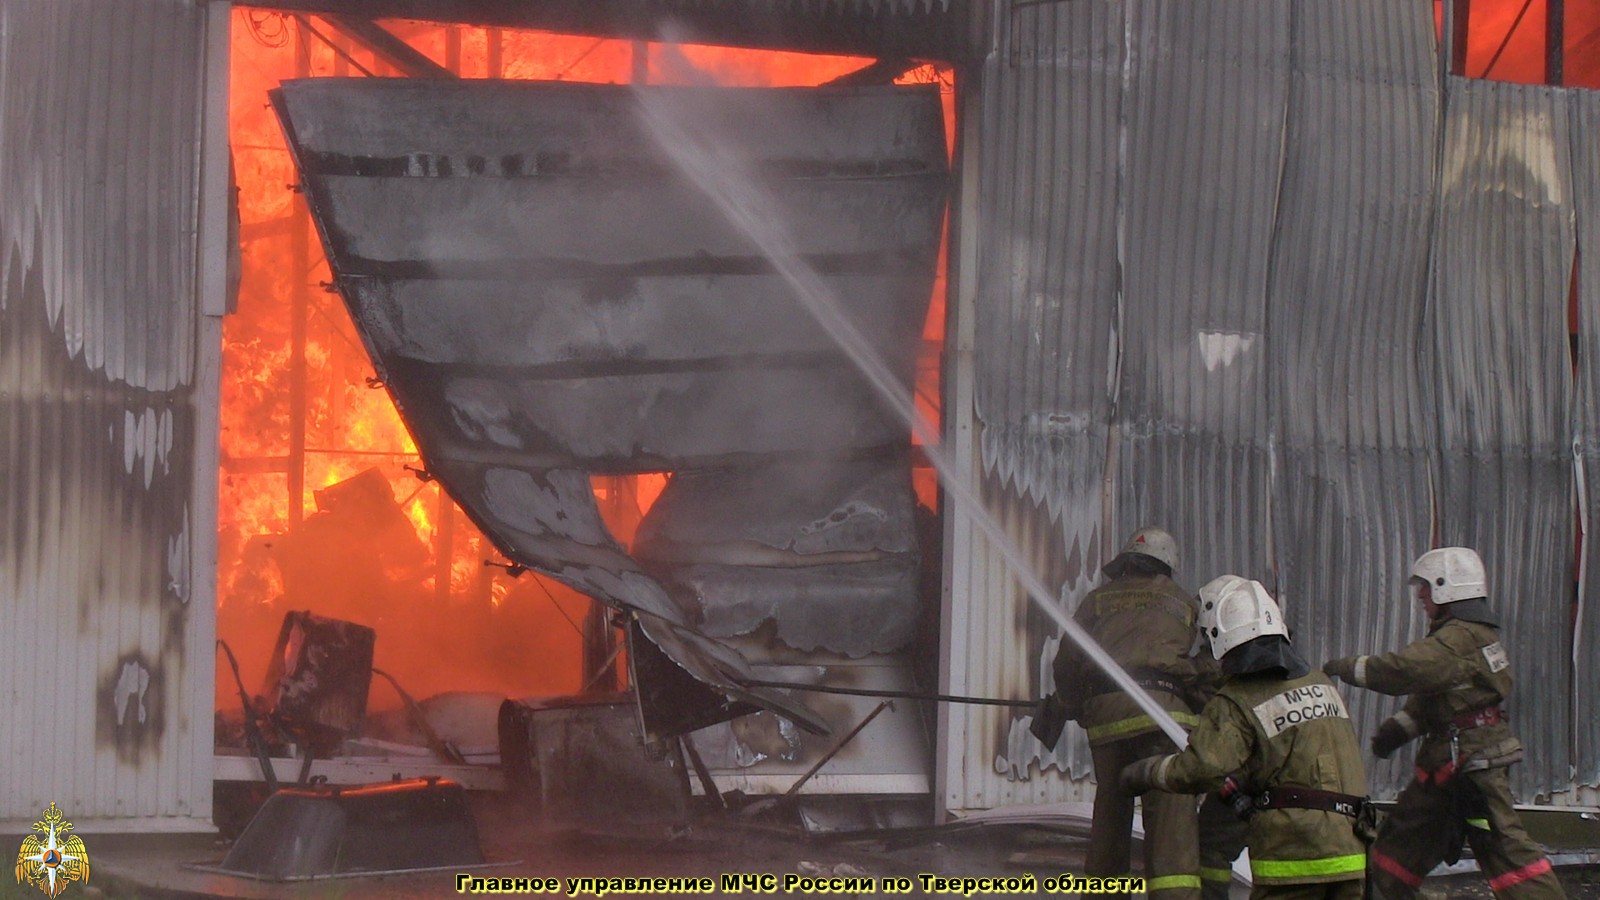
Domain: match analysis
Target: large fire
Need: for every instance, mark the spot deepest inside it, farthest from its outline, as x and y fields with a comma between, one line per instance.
x=321, y=506
x=1506, y=42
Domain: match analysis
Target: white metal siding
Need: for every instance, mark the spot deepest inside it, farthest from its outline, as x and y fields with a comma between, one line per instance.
x=105, y=572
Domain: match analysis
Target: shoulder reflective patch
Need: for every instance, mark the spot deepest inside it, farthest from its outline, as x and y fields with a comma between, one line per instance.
x=1495, y=656
x=1299, y=705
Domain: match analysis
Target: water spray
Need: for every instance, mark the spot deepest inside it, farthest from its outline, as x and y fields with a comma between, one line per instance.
x=739, y=197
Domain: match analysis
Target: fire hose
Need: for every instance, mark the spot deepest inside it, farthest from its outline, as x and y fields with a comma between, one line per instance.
x=908, y=695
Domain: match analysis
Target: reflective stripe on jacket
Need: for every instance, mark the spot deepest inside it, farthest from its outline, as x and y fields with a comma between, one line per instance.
x=1458, y=668
x=1272, y=732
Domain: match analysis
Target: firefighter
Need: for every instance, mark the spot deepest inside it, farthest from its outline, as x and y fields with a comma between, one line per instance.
x=1457, y=678
x=1276, y=741
x=1146, y=622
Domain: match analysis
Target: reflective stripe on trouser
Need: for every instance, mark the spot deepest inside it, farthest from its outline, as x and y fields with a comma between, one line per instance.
x=1428, y=823
x=1172, y=883
x=1171, y=843
x=1134, y=724
x=1353, y=865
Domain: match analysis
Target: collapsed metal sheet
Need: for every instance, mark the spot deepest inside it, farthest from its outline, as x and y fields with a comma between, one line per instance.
x=470, y=222
x=546, y=296
x=825, y=550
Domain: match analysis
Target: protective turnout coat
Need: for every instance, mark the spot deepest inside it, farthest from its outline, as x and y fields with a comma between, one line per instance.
x=1272, y=733
x=1147, y=624
x=1458, y=670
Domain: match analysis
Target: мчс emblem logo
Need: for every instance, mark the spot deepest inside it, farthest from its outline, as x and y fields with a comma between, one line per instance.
x=50, y=858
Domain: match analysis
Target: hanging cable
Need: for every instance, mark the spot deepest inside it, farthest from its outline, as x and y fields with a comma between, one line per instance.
x=1509, y=32
x=258, y=20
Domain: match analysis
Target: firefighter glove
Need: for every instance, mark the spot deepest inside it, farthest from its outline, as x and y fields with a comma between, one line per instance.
x=1390, y=737
x=1343, y=668
x=1233, y=794
x=1049, y=718
x=1139, y=777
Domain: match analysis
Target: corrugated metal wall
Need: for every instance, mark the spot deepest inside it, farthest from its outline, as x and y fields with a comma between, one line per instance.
x=105, y=677
x=1351, y=503
x=1045, y=361
x=1503, y=264
x=1203, y=256
x=1203, y=143
x=1585, y=121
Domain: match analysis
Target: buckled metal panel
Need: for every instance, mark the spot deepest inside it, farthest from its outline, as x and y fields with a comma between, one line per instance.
x=575, y=303
x=1585, y=123
x=1348, y=392
x=106, y=673
x=1504, y=246
x=1206, y=100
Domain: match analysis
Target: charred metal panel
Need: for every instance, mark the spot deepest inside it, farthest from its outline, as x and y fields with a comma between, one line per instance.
x=670, y=701
x=548, y=521
x=924, y=29
x=1584, y=119
x=105, y=679
x=783, y=515
x=554, y=200
x=761, y=754
x=584, y=763
x=826, y=551
x=1504, y=252
x=1045, y=321
x=1352, y=503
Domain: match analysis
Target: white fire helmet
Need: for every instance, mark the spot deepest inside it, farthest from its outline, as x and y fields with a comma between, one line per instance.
x=1454, y=573
x=1154, y=543
x=1234, y=610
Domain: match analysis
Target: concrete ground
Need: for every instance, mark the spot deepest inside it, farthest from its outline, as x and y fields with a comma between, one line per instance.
x=157, y=867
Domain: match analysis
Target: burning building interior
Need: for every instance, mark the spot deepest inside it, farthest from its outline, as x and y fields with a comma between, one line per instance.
x=614, y=426
x=454, y=363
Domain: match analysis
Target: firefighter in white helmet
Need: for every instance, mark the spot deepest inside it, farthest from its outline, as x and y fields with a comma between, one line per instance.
x=1276, y=740
x=1457, y=677
x=1146, y=622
